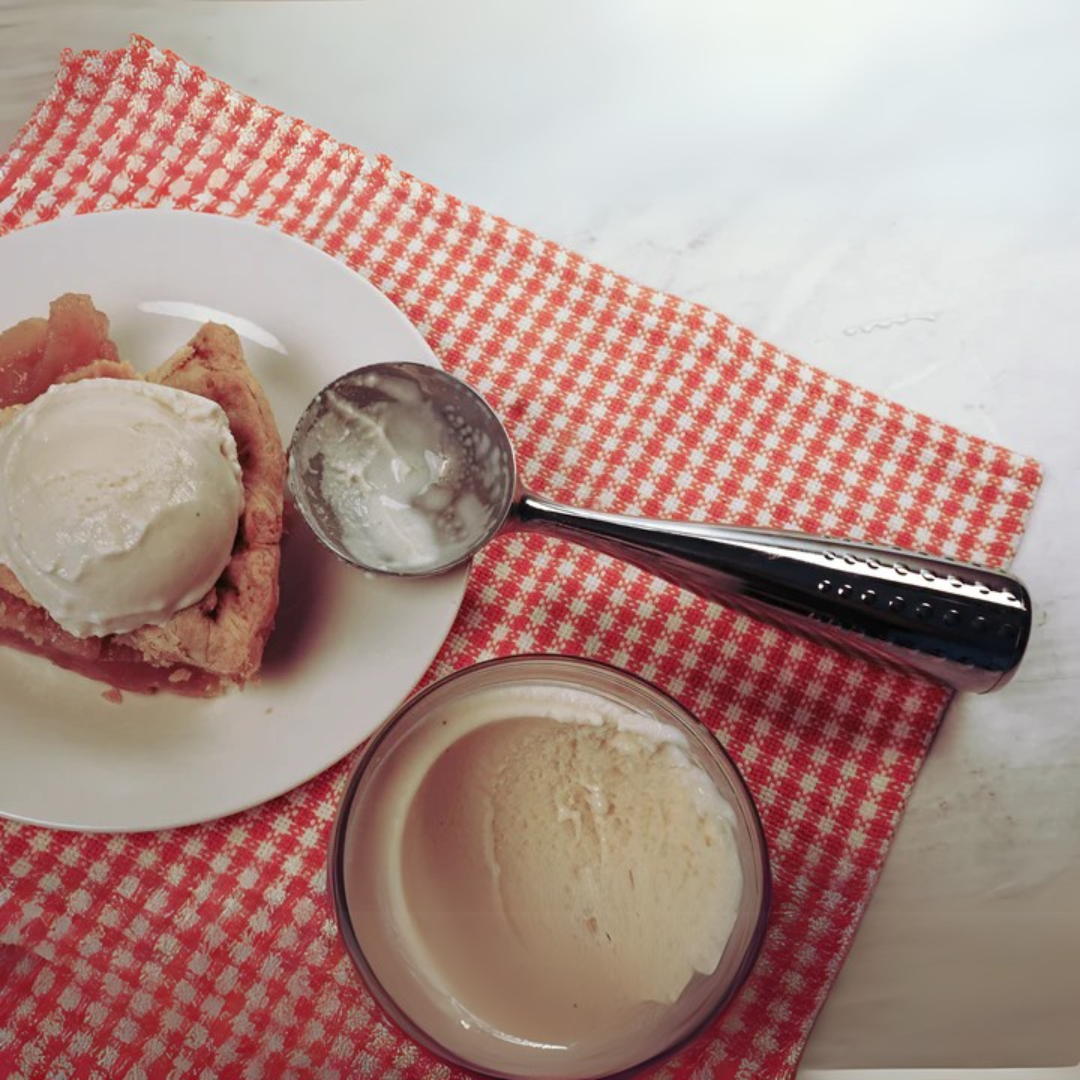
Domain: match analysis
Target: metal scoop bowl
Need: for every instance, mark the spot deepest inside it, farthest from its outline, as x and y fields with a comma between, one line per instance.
x=403, y=469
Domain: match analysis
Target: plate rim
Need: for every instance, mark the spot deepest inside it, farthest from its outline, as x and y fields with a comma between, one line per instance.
x=237, y=225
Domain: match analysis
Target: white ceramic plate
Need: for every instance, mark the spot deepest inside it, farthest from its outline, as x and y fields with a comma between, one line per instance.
x=348, y=648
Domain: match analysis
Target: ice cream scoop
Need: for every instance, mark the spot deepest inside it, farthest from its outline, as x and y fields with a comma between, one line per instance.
x=120, y=500
x=404, y=469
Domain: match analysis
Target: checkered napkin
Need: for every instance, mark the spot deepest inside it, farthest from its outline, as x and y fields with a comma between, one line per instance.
x=210, y=951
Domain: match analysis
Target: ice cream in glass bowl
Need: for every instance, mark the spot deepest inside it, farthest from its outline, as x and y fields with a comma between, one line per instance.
x=545, y=867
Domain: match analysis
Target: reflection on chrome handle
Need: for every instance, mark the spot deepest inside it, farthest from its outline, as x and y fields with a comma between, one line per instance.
x=960, y=625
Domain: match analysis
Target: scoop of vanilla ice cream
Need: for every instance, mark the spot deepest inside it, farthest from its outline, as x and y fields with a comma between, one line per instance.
x=119, y=502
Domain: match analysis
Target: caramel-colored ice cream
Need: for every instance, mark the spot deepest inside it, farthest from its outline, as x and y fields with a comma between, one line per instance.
x=554, y=869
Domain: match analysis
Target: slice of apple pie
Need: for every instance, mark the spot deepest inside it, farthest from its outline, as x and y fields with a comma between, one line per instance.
x=203, y=626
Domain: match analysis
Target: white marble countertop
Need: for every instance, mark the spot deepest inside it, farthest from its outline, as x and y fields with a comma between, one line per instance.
x=886, y=190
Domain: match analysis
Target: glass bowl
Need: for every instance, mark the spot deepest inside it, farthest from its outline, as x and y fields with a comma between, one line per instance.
x=482, y=869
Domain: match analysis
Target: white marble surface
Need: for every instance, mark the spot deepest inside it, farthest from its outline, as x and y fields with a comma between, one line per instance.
x=818, y=171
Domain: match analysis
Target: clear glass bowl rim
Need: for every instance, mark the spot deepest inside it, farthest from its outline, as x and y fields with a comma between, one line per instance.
x=702, y=735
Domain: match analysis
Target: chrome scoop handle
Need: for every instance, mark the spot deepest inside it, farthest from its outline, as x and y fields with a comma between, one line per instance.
x=961, y=625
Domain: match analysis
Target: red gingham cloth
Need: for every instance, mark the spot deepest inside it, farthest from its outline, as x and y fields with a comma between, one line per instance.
x=210, y=951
